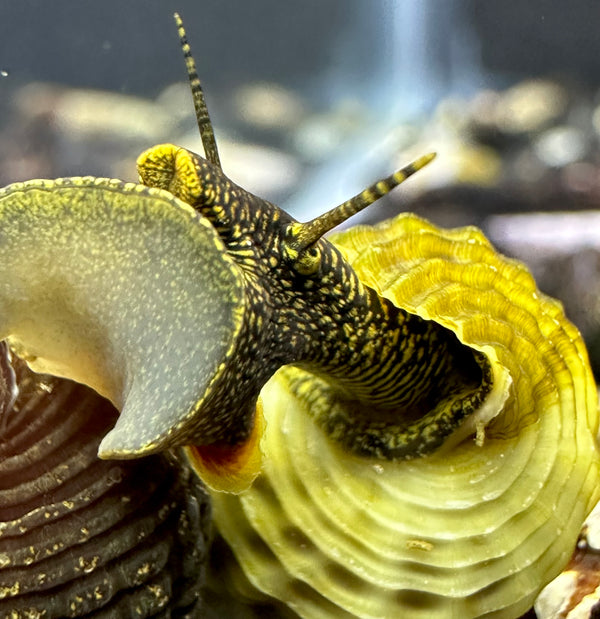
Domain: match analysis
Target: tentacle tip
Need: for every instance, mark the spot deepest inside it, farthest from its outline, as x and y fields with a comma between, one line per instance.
x=419, y=163
x=428, y=158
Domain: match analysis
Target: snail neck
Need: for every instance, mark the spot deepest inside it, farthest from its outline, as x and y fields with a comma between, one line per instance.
x=385, y=382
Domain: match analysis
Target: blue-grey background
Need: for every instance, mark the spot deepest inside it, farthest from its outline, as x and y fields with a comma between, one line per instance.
x=394, y=60
x=129, y=45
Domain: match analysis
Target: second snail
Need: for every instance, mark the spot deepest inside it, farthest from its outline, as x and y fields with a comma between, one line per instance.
x=392, y=422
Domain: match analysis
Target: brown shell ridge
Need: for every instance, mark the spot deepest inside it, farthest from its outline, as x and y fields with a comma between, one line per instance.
x=84, y=537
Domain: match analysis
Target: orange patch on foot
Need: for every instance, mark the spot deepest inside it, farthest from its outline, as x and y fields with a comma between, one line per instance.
x=230, y=468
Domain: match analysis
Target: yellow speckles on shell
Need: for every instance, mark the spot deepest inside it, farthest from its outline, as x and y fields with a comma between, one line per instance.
x=87, y=565
x=9, y=591
x=419, y=544
x=475, y=529
x=91, y=539
x=143, y=571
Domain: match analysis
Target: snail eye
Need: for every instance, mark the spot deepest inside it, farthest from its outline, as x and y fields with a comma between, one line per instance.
x=308, y=261
x=303, y=259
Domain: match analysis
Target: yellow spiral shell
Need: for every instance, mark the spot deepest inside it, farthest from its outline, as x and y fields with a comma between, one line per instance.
x=474, y=530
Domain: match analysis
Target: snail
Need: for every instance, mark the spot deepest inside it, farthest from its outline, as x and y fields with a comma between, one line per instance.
x=392, y=421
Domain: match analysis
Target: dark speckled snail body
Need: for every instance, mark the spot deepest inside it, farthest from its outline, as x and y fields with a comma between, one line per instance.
x=430, y=441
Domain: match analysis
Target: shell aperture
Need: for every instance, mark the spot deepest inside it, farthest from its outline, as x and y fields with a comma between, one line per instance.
x=98, y=286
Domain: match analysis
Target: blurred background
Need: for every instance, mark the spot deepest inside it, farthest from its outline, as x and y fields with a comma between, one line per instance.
x=326, y=94
x=314, y=100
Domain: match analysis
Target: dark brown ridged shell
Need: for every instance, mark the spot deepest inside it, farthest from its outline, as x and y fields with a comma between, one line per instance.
x=81, y=536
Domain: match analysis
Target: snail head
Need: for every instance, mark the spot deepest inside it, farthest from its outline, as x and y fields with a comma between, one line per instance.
x=179, y=298
x=300, y=296
x=298, y=290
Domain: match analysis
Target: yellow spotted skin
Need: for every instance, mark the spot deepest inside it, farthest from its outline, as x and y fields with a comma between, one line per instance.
x=390, y=384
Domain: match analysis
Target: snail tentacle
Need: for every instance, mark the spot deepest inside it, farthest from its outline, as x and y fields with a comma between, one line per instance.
x=303, y=235
x=202, y=117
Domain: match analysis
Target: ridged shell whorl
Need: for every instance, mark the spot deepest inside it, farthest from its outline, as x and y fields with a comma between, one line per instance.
x=82, y=537
x=473, y=530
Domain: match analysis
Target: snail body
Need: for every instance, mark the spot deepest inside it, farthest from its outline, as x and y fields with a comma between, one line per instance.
x=426, y=419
